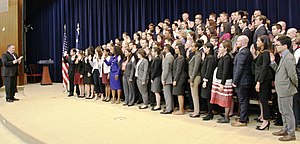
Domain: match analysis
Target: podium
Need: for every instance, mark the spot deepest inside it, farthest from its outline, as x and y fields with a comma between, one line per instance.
x=46, y=79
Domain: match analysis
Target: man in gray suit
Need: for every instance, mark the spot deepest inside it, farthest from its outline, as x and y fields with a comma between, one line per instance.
x=286, y=83
x=166, y=79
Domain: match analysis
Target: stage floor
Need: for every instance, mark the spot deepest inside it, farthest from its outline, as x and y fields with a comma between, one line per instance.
x=49, y=116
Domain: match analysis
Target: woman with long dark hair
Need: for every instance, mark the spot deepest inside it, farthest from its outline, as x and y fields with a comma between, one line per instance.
x=180, y=77
x=207, y=71
x=263, y=78
x=88, y=74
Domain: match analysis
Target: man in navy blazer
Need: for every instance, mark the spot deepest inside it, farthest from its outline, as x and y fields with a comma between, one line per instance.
x=242, y=78
x=260, y=22
x=10, y=72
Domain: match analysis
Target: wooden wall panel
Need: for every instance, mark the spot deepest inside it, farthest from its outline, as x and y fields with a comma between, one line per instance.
x=11, y=31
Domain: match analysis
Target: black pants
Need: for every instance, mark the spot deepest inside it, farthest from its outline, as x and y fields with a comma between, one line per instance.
x=10, y=83
x=264, y=94
x=97, y=82
x=296, y=107
x=243, y=93
x=71, y=84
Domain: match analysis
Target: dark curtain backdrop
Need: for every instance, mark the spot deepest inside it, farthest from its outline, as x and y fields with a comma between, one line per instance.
x=103, y=20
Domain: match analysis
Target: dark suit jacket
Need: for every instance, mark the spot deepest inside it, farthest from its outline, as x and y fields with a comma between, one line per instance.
x=208, y=68
x=10, y=69
x=179, y=68
x=156, y=68
x=71, y=63
x=262, y=69
x=225, y=67
x=258, y=32
x=242, y=74
x=247, y=32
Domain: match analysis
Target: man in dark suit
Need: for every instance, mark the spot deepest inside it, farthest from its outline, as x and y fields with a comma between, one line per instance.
x=242, y=78
x=286, y=83
x=243, y=24
x=260, y=22
x=71, y=71
x=10, y=71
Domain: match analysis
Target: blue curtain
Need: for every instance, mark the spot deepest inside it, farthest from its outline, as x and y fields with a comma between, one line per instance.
x=104, y=20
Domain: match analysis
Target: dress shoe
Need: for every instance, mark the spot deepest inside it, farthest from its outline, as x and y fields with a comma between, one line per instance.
x=166, y=112
x=280, y=133
x=238, y=120
x=70, y=95
x=223, y=120
x=129, y=105
x=239, y=124
x=194, y=115
x=288, y=138
x=143, y=107
x=208, y=117
x=125, y=104
x=9, y=100
x=263, y=128
x=15, y=99
x=156, y=109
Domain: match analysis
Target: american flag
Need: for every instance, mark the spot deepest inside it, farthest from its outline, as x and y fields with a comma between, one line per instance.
x=65, y=66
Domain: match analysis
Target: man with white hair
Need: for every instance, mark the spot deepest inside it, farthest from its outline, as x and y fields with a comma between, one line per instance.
x=283, y=25
x=185, y=17
x=292, y=33
x=242, y=78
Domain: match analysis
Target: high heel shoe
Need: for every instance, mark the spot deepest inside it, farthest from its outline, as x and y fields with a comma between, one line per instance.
x=108, y=99
x=208, y=117
x=194, y=115
x=267, y=126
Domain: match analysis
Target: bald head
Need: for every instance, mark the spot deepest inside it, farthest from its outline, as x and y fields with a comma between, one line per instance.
x=185, y=16
x=242, y=41
x=283, y=25
x=292, y=32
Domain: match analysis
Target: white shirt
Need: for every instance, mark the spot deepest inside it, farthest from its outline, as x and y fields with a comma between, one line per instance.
x=297, y=55
x=137, y=68
x=106, y=68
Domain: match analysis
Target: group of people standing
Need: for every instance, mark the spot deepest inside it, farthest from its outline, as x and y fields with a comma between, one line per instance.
x=188, y=61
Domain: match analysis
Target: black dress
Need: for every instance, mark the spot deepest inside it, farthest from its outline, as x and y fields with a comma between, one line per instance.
x=179, y=75
x=87, y=69
x=207, y=71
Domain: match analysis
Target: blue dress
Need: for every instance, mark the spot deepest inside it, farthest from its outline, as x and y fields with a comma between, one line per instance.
x=115, y=69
